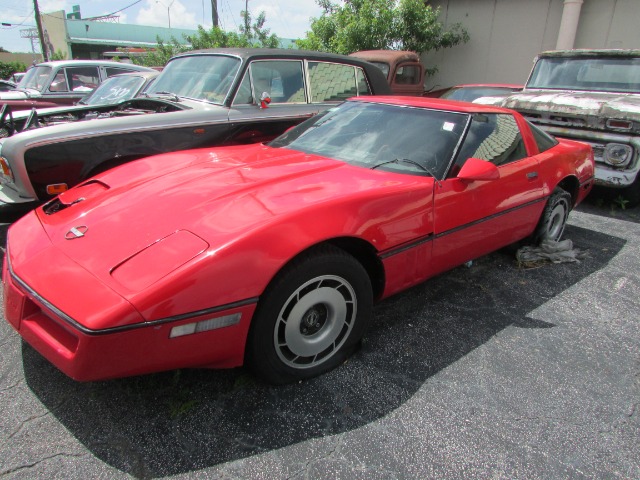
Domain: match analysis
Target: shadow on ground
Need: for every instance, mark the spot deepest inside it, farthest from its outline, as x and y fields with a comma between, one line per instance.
x=607, y=202
x=181, y=421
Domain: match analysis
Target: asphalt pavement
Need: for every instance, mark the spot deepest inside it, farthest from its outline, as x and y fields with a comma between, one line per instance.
x=492, y=371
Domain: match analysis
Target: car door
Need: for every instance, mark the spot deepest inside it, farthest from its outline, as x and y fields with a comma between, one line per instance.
x=474, y=217
x=70, y=84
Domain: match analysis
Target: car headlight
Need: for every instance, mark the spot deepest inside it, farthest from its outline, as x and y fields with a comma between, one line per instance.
x=617, y=154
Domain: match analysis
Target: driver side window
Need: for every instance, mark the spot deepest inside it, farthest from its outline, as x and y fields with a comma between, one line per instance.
x=492, y=137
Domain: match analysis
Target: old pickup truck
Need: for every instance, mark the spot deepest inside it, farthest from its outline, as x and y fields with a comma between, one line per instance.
x=592, y=96
x=404, y=71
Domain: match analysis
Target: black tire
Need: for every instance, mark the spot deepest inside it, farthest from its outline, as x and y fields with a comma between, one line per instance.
x=311, y=317
x=554, y=217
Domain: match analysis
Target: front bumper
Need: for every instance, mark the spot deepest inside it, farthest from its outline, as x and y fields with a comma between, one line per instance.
x=88, y=355
x=605, y=175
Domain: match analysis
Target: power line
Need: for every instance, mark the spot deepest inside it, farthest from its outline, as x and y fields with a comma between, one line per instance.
x=11, y=26
x=113, y=13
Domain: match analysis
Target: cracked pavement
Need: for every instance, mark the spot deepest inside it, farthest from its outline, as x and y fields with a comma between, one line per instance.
x=488, y=371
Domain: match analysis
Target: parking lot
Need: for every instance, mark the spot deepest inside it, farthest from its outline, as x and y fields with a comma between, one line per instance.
x=489, y=371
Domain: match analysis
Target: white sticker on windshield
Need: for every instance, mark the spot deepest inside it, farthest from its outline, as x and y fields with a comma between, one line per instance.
x=448, y=126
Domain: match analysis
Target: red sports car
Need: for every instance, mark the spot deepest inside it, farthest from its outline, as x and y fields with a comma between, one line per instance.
x=272, y=255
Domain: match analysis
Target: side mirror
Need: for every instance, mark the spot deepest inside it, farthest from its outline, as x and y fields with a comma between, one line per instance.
x=265, y=100
x=475, y=169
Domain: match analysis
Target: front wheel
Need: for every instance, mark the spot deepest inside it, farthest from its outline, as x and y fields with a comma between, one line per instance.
x=554, y=217
x=311, y=317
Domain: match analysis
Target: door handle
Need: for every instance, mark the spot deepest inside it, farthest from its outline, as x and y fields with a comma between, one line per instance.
x=532, y=176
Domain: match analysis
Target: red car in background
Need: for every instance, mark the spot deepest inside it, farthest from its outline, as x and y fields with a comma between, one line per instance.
x=473, y=91
x=272, y=255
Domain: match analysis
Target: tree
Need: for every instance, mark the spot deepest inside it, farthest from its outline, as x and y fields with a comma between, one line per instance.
x=380, y=24
x=9, y=68
x=257, y=36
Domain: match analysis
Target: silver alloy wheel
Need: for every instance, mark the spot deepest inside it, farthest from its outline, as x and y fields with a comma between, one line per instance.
x=315, y=321
x=557, y=220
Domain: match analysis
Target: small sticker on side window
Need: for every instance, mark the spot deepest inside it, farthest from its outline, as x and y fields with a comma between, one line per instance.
x=448, y=126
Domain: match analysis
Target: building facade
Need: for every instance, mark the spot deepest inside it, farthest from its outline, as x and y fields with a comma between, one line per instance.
x=78, y=38
x=506, y=35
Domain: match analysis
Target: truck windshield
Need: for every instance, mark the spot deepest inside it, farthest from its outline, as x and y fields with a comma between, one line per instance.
x=201, y=77
x=603, y=74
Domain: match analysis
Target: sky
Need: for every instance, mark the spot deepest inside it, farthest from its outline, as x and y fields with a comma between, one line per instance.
x=285, y=18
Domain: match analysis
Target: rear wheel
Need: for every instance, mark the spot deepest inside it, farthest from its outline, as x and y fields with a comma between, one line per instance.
x=554, y=217
x=311, y=317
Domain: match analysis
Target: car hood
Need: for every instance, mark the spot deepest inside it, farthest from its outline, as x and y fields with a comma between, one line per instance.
x=591, y=104
x=19, y=94
x=209, y=198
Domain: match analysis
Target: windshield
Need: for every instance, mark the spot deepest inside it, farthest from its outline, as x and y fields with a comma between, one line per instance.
x=608, y=74
x=114, y=90
x=36, y=78
x=418, y=141
x=202, y=77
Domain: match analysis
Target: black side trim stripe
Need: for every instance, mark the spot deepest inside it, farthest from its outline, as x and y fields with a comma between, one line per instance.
x=104, y=331
x=406, y=246
x=430, y=237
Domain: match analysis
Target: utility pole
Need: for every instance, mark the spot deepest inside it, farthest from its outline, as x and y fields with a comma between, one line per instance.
x=214, y=12
x=246, y=17
x=43, y=47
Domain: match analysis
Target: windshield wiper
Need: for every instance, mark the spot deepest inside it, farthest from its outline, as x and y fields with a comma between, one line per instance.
x=411, y=162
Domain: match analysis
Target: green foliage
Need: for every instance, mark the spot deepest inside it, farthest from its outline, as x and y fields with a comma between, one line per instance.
x=58, y=55
x=9, y=68
x=621, y=202
x=159, y=56
x=380, y=24
x=255, y=37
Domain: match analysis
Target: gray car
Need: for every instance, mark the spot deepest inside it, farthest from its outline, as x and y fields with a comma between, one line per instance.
x=62, y=82
x=201, y=98
x=97, y=104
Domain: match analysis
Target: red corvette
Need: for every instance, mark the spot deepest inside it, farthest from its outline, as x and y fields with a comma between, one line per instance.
x=272, y=255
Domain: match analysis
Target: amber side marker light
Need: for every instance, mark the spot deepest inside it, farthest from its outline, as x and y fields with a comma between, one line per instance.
x=6, y=170
x=57, y=188
x=205, y=325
